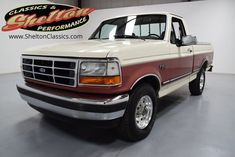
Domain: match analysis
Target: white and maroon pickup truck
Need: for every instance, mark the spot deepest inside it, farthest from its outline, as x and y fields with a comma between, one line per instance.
x=119, y=73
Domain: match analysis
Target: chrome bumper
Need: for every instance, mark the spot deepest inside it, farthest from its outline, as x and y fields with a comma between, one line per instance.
x=75, y=107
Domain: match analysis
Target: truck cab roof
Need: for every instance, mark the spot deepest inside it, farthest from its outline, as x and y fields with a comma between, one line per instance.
x=150, y=13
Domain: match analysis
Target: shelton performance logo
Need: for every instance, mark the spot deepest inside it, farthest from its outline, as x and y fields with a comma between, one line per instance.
x=46, y=17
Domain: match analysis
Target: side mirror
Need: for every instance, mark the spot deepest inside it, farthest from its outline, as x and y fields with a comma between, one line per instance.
x=178, y=42
x=189, y=40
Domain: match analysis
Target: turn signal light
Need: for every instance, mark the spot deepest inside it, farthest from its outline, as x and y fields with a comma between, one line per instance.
x=101, y=80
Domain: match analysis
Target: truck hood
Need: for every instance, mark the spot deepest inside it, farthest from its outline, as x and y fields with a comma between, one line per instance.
x=88, y=48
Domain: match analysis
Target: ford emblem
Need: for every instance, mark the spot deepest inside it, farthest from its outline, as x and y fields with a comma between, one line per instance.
x=42, y=70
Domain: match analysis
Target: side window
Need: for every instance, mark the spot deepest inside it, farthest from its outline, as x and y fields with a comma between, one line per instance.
x=177, y=31
x=173, y=38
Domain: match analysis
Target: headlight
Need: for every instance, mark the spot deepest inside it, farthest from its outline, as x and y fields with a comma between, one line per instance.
x=93, y=69
x=99, y=72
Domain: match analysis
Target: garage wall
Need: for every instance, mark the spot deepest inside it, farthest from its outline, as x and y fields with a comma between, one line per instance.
x=104, y=4
x=70, y=2
x=211, y=21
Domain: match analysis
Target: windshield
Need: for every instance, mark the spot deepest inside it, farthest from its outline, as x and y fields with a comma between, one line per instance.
x=140, y=26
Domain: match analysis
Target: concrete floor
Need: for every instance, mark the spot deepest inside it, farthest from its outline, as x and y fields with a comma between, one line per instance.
x=187, y=126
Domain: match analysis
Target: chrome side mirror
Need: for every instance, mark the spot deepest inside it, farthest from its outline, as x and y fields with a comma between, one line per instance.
x=189, y=40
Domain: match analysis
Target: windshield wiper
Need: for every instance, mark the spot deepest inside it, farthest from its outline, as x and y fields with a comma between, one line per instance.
x=98, y=38
x=128, y=37
x=93, y=38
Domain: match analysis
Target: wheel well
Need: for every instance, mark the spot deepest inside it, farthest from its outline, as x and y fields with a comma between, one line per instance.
x=205, y=64
x=152, y=80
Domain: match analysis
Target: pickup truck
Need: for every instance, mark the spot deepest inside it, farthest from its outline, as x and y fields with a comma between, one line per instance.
x=118, y=75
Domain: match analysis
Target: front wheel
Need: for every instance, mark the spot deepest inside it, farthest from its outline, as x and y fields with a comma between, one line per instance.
x=196, y=86
x=140, y=114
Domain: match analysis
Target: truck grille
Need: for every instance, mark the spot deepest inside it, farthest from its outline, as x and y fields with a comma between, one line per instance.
x=61, y=71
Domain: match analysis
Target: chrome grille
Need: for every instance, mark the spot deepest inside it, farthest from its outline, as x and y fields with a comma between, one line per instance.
x=61, y=71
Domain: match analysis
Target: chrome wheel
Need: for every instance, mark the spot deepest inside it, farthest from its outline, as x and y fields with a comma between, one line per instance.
x=143, y=112
x=202, y=81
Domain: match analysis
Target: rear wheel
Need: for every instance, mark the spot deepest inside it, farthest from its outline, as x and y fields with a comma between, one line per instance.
x=140, y=114
x=196, y=86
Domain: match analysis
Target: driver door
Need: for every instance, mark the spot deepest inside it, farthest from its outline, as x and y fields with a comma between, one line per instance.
x=183, y=54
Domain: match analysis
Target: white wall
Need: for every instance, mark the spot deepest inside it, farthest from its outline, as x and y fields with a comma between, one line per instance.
x=69, y=2
x=105, y=4
x=212, y=21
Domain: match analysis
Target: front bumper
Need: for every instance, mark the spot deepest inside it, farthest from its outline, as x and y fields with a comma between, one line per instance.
x=75, y=106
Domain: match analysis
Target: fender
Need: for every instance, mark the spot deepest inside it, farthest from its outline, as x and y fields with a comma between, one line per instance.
x=132, y=74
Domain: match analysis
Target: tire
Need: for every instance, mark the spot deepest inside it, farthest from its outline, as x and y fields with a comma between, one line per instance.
x=196, y=86
x=130, y=128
